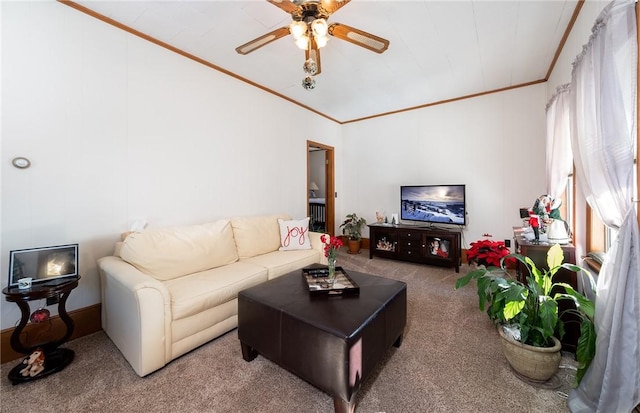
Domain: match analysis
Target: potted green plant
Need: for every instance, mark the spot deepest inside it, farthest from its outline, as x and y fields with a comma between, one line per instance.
x=352, y=228
x=527, y=313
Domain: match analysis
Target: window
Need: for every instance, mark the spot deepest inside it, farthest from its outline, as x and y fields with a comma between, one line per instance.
x=596, y=232
x=567, y=208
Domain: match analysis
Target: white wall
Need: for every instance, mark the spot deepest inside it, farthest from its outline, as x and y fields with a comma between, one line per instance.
x=118, y=129
x=493, y=144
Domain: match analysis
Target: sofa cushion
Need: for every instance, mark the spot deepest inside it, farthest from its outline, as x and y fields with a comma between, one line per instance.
x=282, y=262
x=167, y=253
x=256, y=235
x=294, y=234
x=195, y=293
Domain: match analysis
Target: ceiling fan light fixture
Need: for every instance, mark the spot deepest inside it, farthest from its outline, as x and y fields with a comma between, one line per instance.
x=298, y=29
x=303, y=42
x=321, y=41
x=319, y=28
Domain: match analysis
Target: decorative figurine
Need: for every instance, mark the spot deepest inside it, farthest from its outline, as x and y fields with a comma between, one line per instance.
x=35, y=364
x=536, y=216
x=534, y=221
x=545, y=210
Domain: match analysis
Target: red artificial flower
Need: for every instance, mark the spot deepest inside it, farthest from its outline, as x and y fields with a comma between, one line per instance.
x=331, y=245
x=488, y=253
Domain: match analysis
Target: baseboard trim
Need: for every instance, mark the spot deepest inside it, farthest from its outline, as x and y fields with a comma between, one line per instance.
x=86, y=321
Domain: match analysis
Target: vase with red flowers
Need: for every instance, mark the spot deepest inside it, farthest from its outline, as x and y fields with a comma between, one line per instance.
x=331, y=246
x=488, y=253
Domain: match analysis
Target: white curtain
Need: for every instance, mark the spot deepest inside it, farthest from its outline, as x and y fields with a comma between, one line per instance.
x=559, y=159
x=603, y=133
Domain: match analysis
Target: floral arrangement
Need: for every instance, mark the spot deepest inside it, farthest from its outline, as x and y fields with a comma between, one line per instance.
x=331, y=245
x=488, y=253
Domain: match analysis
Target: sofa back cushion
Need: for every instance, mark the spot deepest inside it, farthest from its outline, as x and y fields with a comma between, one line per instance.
x=257, y=235
x=168, y=253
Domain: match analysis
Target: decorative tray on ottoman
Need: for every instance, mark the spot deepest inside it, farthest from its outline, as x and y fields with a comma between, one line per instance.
x=316, y=279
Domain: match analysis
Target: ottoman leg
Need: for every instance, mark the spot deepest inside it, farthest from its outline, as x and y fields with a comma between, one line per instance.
x=342, y=406
x=398, y=341
x=248, y=352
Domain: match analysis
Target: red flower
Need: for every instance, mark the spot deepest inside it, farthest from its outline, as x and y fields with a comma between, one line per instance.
x=486, y=252
x=331, y=245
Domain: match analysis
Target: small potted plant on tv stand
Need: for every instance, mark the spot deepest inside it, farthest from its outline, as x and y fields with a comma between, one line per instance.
x=352, y=228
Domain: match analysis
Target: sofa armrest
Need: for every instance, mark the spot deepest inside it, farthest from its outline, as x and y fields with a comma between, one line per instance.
x=317, y=244
x=136, y=314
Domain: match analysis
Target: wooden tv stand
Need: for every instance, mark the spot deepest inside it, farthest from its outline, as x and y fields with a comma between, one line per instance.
x=425, y=245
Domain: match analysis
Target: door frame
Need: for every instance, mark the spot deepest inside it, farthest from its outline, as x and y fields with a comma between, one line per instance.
x=329, y=173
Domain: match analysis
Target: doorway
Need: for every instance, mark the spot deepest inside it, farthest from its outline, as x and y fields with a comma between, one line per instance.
x=320, y=187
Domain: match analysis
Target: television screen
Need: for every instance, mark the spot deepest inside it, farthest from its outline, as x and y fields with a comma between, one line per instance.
x=45, y=264
x=433, y=204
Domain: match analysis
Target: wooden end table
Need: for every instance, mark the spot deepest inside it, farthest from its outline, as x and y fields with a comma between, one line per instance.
x=56, y=358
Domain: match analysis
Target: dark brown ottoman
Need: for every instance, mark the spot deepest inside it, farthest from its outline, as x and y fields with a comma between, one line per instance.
x=333, y=343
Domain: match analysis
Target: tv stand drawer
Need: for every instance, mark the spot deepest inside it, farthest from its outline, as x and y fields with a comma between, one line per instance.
x=410, y=253
x=410, y=243
x=410, y=235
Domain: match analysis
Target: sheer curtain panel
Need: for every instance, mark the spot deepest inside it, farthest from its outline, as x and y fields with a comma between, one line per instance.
x=559, y=159
x=603, y=133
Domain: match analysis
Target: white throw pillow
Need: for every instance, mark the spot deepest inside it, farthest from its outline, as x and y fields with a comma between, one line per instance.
x=294, y=234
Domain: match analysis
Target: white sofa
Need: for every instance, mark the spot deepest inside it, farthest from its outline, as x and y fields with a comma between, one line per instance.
x=167, y=291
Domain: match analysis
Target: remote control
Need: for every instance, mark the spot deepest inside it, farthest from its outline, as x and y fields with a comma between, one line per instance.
x=318, y=272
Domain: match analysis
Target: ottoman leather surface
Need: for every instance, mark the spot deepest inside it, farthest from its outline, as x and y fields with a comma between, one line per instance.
x=332, y=342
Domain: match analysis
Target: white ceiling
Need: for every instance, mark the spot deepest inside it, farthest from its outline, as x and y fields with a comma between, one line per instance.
x=439, y=50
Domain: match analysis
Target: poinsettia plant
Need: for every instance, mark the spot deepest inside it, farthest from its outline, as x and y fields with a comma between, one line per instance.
x=331, y=245
x=488, y=253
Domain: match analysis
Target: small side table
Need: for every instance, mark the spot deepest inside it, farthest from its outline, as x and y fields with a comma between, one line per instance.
x=56, y=358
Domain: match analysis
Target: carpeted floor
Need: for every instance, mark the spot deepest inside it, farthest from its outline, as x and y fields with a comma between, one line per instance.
x=450, y=361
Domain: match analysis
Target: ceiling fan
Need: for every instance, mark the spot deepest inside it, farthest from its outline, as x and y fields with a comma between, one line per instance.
x=310, y=31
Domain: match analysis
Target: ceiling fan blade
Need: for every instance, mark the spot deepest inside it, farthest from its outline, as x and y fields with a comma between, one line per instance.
x=313, y=52
x=262, y=40
x=331, y=6
x=285, y=5
x=359, y=37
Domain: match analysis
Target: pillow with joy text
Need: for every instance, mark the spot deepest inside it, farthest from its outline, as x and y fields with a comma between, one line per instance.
x=294, y=234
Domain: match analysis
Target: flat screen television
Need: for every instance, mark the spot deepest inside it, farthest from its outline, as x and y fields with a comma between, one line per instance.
x=45, y=264
x=433, y=204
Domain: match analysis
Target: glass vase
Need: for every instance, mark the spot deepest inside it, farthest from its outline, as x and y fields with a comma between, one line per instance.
x=332, y=270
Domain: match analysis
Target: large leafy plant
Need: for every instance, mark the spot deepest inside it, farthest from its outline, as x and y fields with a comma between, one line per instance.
x=529, y=305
